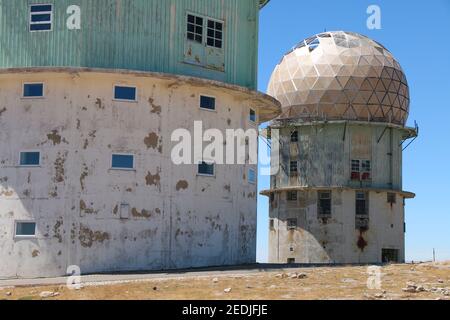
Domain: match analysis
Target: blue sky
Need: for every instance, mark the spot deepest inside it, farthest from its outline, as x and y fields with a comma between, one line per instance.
x=417, y=33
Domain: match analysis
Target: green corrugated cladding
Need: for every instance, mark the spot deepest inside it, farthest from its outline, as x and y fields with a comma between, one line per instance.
x=145, y=35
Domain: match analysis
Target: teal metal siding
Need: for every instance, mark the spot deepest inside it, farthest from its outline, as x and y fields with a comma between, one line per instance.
x=145, y=35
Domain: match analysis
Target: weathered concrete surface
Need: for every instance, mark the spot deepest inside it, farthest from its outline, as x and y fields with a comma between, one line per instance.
x=324, y=153
x=177, y=219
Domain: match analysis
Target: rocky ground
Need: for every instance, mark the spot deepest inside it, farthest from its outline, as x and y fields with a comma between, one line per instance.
x=426, y=281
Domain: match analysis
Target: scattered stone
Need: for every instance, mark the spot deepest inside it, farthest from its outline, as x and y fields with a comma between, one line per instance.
x=8, y=294
x=227, y=290
x=440, y=281
x=215, y=280
x=48, y=294
x=282, y=276
x=155, y=288
x=297, y=275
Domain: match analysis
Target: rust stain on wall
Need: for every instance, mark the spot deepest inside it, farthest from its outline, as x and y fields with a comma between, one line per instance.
x=57, y=230
x=59, y=167
x=153, y=141
x=35, y=253
x=88, y=237
x=85, y=209
x=156, y=109
x=144, y=213
x=83, y=176
x=99, y=104
x=55, y=138
x=182, y=185
x=154, y=179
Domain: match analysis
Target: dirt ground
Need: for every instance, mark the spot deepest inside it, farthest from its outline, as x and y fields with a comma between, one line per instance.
x=418, y=281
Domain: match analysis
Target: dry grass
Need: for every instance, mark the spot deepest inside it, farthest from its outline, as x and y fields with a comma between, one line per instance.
x=321, y=283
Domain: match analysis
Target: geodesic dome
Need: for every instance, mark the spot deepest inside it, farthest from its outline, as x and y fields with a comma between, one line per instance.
x=341, y=76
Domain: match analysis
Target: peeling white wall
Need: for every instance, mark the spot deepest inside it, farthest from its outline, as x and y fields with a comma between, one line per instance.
x=178, y=219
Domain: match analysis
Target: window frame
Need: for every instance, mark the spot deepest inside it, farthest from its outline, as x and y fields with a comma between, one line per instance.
x=293, y=173
x=207, y=96
x=17, y=236
x=33, y=97
x=30, y=14
x=205, y=30
x=206, y=174
x=319, y=202
x=290, y=226
x=125, y=100
x=366, y=200
x=119, y=168
x=255, y=175
x=196, y=15
x=30, y=165
x=255, y=120
x=289, y=196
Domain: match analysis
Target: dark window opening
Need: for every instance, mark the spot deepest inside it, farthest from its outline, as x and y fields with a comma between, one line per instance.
x=291, y=224
x=292, y=196
x=272, y=224
x=208, y=103
x=362, y=204
x=391, y=198
x=293, y=168
x=324, y=203
x=120, y=161
x=125, y=93
x=33, y=90
x=291, y=260
x=215, y=34
x=252, y=115
x=206, y=169
x=30, y=158
x=390, y=255
x=195, y=28
x=294, y=137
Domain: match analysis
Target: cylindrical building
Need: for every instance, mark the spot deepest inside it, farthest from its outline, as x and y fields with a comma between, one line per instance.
x=90, y=95
x=338, y=196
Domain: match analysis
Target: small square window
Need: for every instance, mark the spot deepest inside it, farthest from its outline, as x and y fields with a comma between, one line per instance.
x=252, y=176
x=294, y=137
x=33, y=90
x=291, y=224
x=125, y=93
x=272, y=224
x=292, y=196
x=41, y=16
x=391, y=198
x=291, y=260
x=25, y=229
x=122, y=162
x=253, y=115
x=30, y=159
x=207, y=103
x=206, y=169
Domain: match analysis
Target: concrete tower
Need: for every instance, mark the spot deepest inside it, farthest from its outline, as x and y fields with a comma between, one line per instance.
x=337, y=196
x=90, y=94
